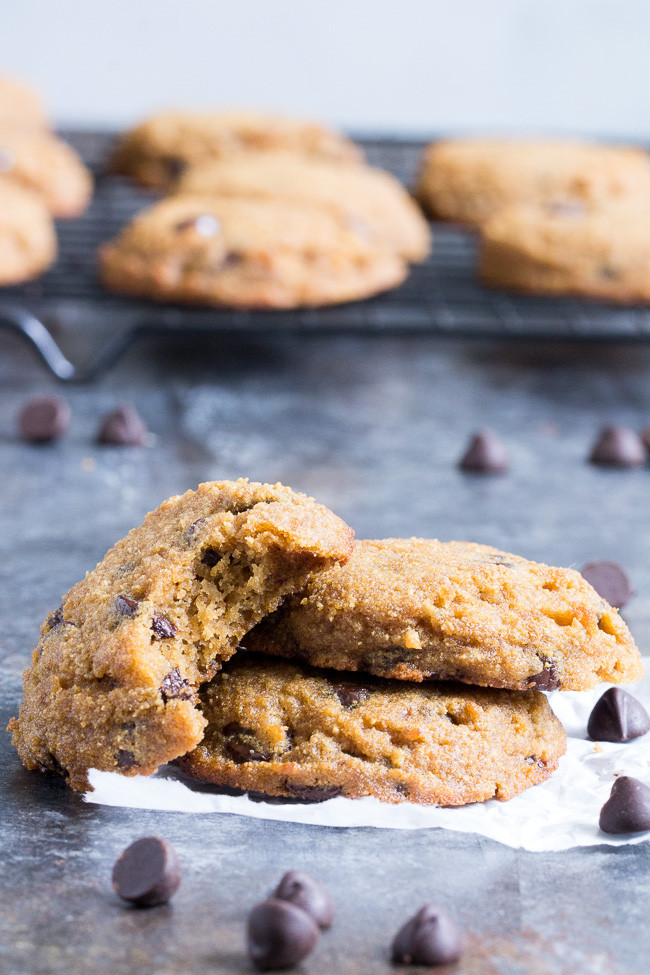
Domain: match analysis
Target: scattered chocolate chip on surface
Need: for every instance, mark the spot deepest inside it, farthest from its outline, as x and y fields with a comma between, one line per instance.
x=122, y=428
x=428, y=938
x=302, y=890
x=617, y=716
x=162, y=627
x=44, y=419
x=485, y=454
x=147, y=872
x=628, y=808
x=610, y=581
x=548, y=679
x=280, y=934
x=618, y=446
x=126, y=606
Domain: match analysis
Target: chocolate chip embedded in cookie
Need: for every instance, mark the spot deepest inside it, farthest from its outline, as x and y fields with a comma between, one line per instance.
x=48, y=167
x=419, y=608
x=469, y=180
x=27, y=237
x=247, y=253
x=159, y=150
x=358, y=194
x=115, y=688
x=428, y=743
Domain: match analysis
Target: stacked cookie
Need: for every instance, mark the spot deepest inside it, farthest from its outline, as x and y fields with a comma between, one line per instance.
x=264, y=212
x=40, y=178
x=554, y=217
x=384, y=643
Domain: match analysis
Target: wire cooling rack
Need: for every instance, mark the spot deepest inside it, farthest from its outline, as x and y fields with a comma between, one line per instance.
x=79, y=330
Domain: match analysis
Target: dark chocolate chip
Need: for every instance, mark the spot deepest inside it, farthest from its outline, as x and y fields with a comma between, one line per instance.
x=52, y=766
x=147, y=872
x=429, y=938
x=191, y=531
x=240, y=744
x=126, y=606
x=125, y=759
x=175, y=686
x=609, y=273
x=485, y=455
x=44, y=419
x=617, y=716
x=313, y=793
x=122, y=428
x=610, y=581
x=349, y=695
x=628, y=808
x=162, y=627
x=211, y=557
x=280, y=934
x=534, y=760
x=618, y=447
x=56, y=618
x=302, y=890
x=204, y=224
x=7, y=160
x=175, y=166
x=548, y=679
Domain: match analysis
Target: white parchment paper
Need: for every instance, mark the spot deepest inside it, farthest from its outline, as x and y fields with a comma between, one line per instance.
x=557, y=815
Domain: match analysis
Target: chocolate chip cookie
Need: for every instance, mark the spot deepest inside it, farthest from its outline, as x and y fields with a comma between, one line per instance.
x=559, y=249
x=47, y=166
x=245, y=253
x=284, y=729
x=358, y=194
x=468, y=180
x=418, y=608
x=156, y=152
x=20, y=106
x=27, y=236
x=113, y=681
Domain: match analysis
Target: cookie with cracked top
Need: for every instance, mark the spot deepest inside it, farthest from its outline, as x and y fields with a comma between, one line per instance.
x=469, y=180
x=113, y=682
x=161, y=148
x=47, y=166
x=283, y=729
x=247, y=253
x=417, y=608
x=27, y=237
x=360, y=194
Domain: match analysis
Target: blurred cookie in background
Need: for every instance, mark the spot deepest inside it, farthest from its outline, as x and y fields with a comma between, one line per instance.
x=20, y=106
x=49, y=167
x=160, y=149
x=27, y=237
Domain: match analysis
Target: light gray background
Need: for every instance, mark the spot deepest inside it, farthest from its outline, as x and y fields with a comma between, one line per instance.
x=409, y=66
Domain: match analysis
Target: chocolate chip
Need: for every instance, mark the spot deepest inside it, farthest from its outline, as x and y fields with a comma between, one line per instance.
x=618, y=447
x=617, y=716
x=429, y=938
x=147, y=872
x=122, y=428
x=7, y=160
x=191, y=531
x=211, y=557
x=609, y=273
x=313, y=793
x=349, y=695
x=485, y=455
x=56, y=618
x=610, y=581
x=162, y=627
x=175, y=686
x=302, y=890
x=44, y=419
x=240, y=744
x=175, y=166
x=204, y=224
x=126, y=606
x=628, y=808
x=534, y=760
x=125, y=759
x=548, y=679
x=280, y=934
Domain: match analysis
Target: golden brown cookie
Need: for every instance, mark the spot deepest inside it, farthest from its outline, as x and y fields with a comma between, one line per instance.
x=468, y=180
x=27, y=236
x=247, y=253
x=283, y=729
x=419, y=608
x=46, y=165
x=356, y=193
x=20, y=106
x=560, y=249
x=112, y=684
x=158, y=150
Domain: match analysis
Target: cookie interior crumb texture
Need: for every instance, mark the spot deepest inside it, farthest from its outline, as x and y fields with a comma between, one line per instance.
x=113, y=681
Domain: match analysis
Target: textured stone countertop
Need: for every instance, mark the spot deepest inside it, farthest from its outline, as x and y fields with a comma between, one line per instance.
x=372, y=427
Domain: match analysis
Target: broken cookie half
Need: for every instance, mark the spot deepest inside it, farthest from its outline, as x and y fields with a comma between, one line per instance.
x=113, y=682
